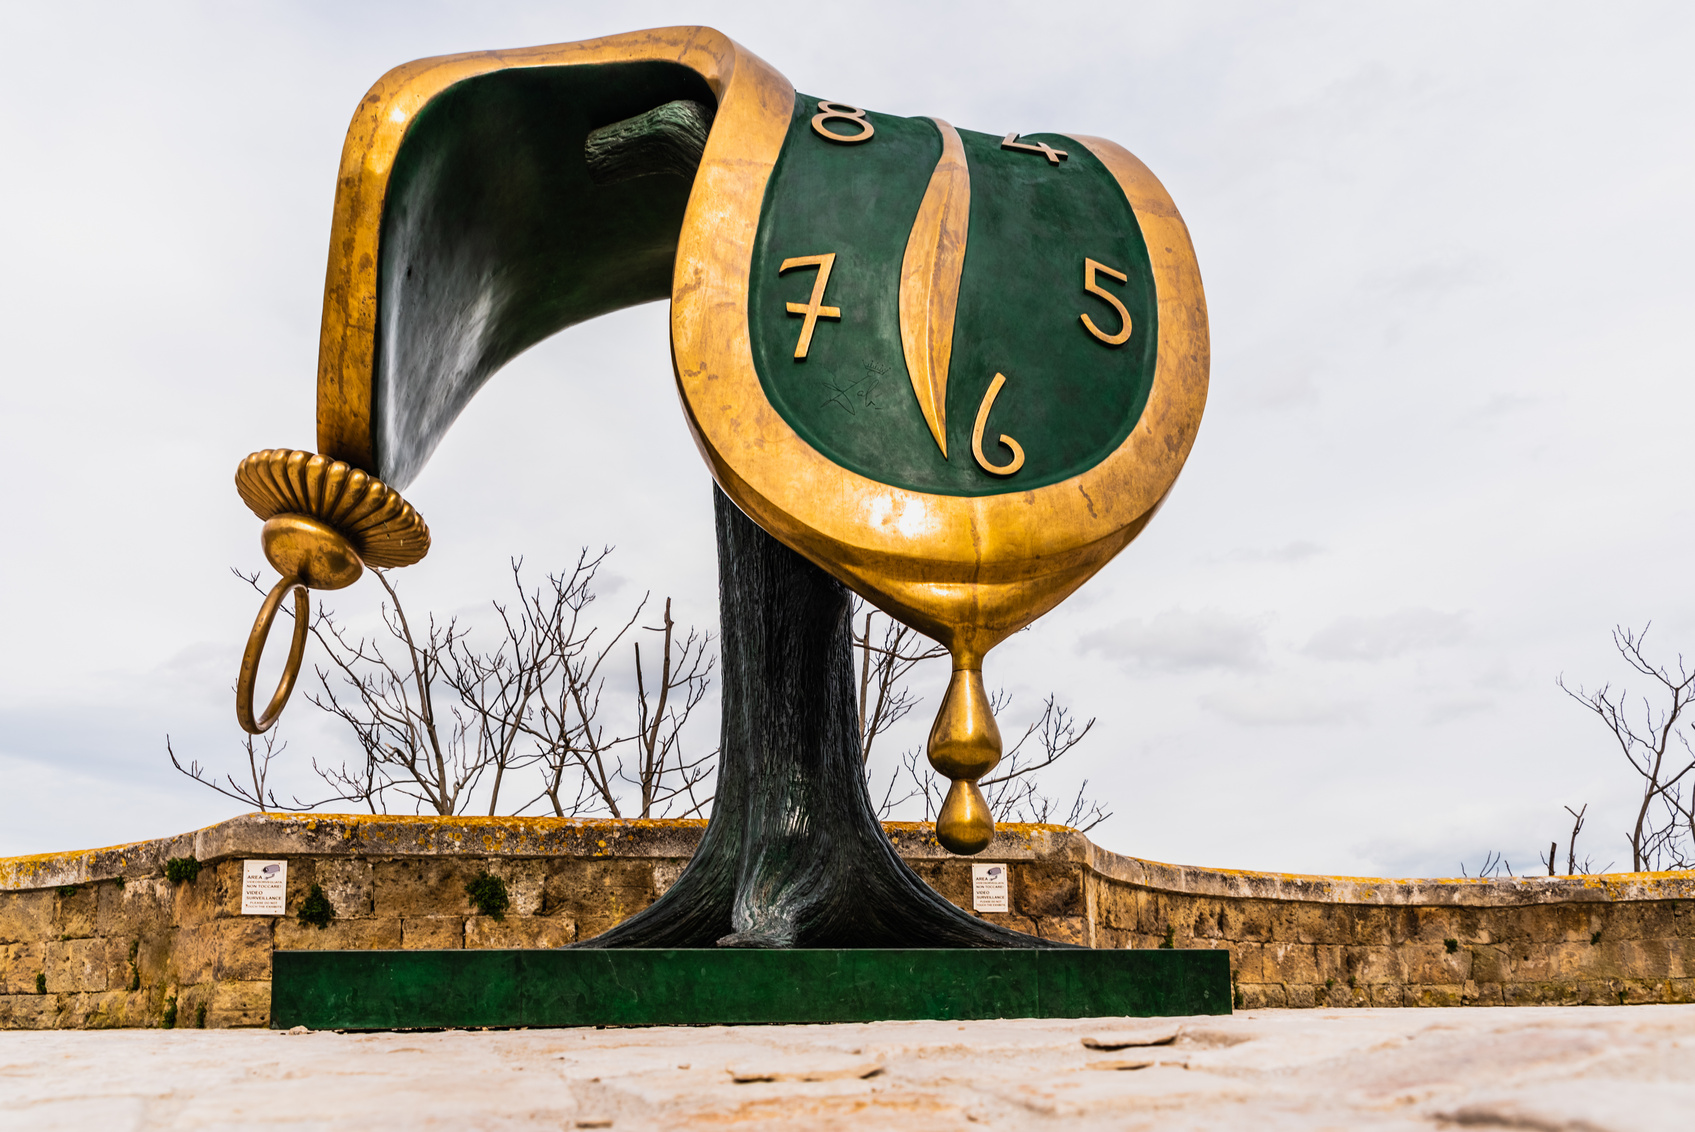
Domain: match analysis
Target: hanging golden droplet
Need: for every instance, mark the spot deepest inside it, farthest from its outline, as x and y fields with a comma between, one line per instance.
x=965, y=744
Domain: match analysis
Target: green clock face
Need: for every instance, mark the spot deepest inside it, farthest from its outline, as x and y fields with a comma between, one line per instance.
x=1053, y=331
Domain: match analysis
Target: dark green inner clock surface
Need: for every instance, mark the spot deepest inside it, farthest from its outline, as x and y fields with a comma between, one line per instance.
x=1069, y=399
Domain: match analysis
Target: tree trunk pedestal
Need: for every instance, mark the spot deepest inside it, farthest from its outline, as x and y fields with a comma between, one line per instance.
x=795, y=856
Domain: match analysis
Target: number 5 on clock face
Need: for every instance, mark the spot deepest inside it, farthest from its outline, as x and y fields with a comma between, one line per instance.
x=1090, y=267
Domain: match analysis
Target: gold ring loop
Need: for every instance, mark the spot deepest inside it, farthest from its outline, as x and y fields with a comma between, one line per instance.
x=256, y=647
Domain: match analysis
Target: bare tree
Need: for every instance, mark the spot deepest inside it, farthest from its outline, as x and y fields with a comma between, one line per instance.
x=888, y=653
x=884, y=694
x=664, y=774
x=576, y=749
x=1574, y=866
x=1655, y=742
x=447, y=725
x=256, y=791
x=1013, y=794
x=409, y=745
x=1493, y=866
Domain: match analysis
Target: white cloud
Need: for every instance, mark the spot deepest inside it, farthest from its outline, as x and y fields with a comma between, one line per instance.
x=1298, y=551
x=1180, y=641
x=1287, y=705
x=1380, y=638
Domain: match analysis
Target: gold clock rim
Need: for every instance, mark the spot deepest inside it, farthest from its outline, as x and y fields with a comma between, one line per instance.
x=992, y=564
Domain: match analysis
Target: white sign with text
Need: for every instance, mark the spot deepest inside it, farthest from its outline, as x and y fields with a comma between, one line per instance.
x=264, y=887
x=989, y=889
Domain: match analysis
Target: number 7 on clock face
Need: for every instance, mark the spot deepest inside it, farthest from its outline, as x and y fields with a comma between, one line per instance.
x=813, y=309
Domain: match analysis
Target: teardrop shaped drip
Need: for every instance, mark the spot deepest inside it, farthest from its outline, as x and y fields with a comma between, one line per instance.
x=965, y=744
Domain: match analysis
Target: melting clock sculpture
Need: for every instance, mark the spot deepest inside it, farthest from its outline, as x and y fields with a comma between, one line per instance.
x=957, y=371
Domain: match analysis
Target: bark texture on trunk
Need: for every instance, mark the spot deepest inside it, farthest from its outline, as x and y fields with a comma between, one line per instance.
x=794, y=855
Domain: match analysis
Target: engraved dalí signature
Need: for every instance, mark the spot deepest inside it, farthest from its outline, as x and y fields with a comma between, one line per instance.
x=852, y=396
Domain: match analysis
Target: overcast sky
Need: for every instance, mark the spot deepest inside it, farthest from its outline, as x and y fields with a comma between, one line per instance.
x=1447, y=256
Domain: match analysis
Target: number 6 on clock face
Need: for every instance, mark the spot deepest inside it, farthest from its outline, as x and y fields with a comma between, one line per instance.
x=1089, y=268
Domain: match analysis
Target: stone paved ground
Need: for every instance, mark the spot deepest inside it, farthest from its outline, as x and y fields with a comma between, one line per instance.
x=1581, y=1069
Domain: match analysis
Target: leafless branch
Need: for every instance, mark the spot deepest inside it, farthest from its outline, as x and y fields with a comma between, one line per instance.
x=885, y=697
x=256, y=791
x=1653, y=738
x=445, y=724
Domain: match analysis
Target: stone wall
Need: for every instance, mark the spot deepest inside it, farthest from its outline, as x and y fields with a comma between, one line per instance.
x=101, y=938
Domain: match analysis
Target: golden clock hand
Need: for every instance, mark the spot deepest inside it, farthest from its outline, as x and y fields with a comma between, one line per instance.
x=929, y=282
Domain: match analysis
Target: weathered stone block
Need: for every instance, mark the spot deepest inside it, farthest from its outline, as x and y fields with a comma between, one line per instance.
x=425, y=933
x=338, y=935
x=601, y=897
x=1640, y=992
x=155, y=959
x=1384, y=994
x=1116, y=908
x=1352, y=964
x=115, y=955
x=432, y=886
x=1048, y=888
x=349, y=886
x=1490, y=964
x=1261, y=996
x=1289, y=963
x=28, y=1011
x=1559, y=923
x=1680, y=958
x=665, y=874
x=20, y=963
x=107, y=1010
x=1201, y=920
x=238, y=1004
x=1435, y=994
x=1599, y=992
x=1432, y=964
x=1248, y=962
x=1379, y=964
x=75, y=914
x=138, y=907
x=243, y=948
x=1303, y=923
x=1010, y=920
x=75, y=965
x=1147, y=911
x=1644, y=958
x=1369, y=924
x=1638, y=919
x=193, y=953
x=1542, y=994
x=201, y=900
x=520, y=931
x=1604, y=960
x=1113, y=939
x=1250, y=920
x=1065, y=929
x=953, y=885
x=27, y=917
x=1425, y=925
x=1301, y=997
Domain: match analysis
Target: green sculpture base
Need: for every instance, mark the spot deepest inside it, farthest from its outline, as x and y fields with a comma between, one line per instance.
x=395, y=990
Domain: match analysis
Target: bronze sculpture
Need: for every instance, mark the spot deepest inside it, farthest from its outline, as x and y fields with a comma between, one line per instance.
x=1039, y=292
